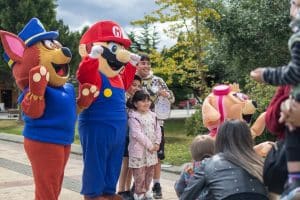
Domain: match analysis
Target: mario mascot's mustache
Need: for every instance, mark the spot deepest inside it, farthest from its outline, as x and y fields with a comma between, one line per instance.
x=112, y=59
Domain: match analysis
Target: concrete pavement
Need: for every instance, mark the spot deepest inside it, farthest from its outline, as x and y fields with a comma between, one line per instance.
x=16, y=182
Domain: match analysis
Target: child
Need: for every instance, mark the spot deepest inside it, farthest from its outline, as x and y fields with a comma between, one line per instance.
x=126, y=173
x=201, y=147
x=144, y=140
x=158, y=89
x=288, y=75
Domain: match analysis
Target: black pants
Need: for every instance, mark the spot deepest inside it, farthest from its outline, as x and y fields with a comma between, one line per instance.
x=292, y=142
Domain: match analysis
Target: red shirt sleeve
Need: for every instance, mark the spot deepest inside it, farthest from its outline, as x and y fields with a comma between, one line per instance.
x=128, y=75
x=273, y=111
x=88, y=72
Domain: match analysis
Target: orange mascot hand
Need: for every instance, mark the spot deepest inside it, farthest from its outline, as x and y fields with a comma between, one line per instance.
x=33, y=104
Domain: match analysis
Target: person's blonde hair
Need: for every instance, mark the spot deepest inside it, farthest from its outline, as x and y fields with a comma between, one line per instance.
x=201, y=147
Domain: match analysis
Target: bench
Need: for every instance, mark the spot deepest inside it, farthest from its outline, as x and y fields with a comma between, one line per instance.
x=13, y=113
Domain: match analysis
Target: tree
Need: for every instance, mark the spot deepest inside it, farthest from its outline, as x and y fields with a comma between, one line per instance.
x=250, y=34
x=187, y=23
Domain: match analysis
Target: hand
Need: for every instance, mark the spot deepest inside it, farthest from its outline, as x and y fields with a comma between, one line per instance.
x=38, y=80
x=87, y=94
x=154, y=148
x=96, y=51
x=290, y=112
x=134, y=59
x=257, y=75
x=163, y=93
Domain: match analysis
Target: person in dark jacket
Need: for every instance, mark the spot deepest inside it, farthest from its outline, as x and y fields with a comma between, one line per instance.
x=235, y=172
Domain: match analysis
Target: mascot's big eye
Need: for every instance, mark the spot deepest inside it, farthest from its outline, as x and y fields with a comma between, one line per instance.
x=113, y=47
x=241, y=96
x=49, y=44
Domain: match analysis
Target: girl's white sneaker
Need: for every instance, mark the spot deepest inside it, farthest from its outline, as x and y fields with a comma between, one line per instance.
x=138, y=197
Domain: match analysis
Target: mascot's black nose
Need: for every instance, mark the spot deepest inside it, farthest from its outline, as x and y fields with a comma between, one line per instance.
x=66, y=52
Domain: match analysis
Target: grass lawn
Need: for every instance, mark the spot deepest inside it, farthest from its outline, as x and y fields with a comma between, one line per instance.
x=176, y=146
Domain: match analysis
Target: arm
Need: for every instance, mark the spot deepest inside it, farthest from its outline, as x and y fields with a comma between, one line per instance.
x=157, y=131
x=88, y=72
x=33, y=103
x=135, y=130
x=164, y=88
x=128, y=75
x=273, y=111
x=195, y=186
x=286, y=75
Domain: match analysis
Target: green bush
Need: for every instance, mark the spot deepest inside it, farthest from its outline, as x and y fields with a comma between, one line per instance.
x=193, y=125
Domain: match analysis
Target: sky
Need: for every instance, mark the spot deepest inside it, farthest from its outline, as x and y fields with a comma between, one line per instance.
x=79, y=13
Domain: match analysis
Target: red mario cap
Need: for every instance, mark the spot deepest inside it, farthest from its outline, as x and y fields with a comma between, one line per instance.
x=105, y=31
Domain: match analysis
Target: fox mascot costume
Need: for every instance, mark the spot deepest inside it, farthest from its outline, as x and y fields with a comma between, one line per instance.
x=102, y=126
x=40, y=67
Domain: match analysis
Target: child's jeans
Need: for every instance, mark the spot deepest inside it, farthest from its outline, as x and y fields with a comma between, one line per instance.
x=142, y=179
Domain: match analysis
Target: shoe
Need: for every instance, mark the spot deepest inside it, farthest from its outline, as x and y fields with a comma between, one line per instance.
x=126, y=195
x=291, y=191
x=156, y=189
x=149, y=195
x=138, y=197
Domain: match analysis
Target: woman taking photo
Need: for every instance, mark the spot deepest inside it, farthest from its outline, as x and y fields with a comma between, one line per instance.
x=234, y=173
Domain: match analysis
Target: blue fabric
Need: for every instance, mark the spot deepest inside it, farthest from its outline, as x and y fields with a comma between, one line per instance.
x=102, y=130
x=103, y=146
x=57, y=124
x=107, y=108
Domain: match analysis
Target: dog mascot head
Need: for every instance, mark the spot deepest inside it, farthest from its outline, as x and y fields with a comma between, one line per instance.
x=227, y=102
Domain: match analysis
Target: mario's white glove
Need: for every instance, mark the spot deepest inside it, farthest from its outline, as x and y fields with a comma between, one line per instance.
x=134, y=59
x=96, y=51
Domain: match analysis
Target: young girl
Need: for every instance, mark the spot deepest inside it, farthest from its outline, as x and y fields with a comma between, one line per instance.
x=144, y=140
x=202, y=147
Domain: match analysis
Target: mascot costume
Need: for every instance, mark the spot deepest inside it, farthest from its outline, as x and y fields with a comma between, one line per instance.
x=40, y=67
x=102, y=126
x=227, y=102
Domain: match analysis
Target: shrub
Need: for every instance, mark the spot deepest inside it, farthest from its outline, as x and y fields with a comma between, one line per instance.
x=193, y=125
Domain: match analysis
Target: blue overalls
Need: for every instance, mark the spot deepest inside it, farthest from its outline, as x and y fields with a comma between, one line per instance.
x=102, y=130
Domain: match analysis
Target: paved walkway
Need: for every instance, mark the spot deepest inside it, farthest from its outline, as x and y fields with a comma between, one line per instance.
x=16, y=182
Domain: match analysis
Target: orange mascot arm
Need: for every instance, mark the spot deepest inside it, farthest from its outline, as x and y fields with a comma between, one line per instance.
x=259, y=125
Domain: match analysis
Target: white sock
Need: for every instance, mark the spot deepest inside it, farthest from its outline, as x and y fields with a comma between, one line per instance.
x=155, y=181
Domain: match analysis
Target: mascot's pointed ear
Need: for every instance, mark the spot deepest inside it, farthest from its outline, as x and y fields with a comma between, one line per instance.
x=13, y=45
x=82, y=50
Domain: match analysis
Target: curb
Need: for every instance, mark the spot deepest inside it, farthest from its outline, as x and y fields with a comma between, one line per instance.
x=76, y=149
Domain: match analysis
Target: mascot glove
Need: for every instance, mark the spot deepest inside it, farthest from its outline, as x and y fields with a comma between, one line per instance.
x=96, y=51
x=87, y=94
x=134, y=59
x=38, y=80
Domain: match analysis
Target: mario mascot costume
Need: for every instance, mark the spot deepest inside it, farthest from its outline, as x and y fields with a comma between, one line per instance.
x=102, y=126
x=40, y=67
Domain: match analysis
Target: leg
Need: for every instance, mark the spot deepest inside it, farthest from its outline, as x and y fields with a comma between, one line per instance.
x=48, y=162
x=139, y=180
x=157, y=194
x=95, y=152
x=292, y=141
x=123, y=175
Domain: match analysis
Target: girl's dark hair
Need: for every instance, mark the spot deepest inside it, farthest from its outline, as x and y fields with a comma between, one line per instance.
x=144, y=57
x=139, y=95
x=136, y=77
x=235, y=142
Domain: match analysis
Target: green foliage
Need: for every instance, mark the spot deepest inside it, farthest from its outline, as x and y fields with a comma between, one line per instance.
x=194, y=125
x=249, y=34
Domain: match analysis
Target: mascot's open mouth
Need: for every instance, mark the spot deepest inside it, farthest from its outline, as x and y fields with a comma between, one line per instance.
x=247, y=118
x=61, y=69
